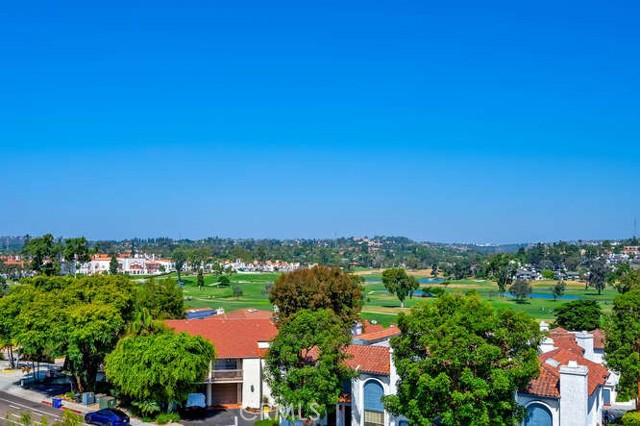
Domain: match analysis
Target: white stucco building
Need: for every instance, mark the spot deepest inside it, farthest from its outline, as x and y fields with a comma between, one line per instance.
x=574, y=387
x=241, y=339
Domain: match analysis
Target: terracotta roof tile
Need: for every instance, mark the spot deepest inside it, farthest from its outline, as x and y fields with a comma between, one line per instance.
x=598, y=338
x=378, y=335
x=548, y=383
x=232, y=338
x=368, y=359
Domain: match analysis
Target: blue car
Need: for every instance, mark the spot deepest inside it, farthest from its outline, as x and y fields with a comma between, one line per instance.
x=107, y=417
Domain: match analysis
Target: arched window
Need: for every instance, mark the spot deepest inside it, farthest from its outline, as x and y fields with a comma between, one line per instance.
x=373, y=408
x=538, y=415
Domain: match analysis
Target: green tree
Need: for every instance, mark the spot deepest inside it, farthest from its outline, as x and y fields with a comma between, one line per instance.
x=398, y=282
x=161, y=367
x=629, y=280
x=521, y=290
x=79, y=320
x=558, y=289
x=162, y=298
x=200, y=279
x=197, y=258
x=597, y=275
x=502, y=269
x=460, y=362
x=77, y=251
x=579, y=315
x=113, y=265
x=622, y=346
x=237, y=291
x=305, y=365
x=179, y=257
x=434, y=270
x=44, y=253
x=548, y=274
x=320, y=287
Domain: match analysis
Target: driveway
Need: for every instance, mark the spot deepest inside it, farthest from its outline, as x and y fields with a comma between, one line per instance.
x=224, y=418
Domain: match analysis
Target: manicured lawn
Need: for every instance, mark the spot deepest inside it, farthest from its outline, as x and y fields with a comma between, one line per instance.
x=379, y=304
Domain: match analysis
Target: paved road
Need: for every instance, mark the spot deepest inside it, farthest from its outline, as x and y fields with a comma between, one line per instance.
x=15, y=405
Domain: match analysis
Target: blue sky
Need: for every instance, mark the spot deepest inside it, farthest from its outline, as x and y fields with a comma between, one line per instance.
x=443, y=121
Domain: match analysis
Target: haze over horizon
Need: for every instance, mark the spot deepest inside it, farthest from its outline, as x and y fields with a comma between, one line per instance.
x=498, y=122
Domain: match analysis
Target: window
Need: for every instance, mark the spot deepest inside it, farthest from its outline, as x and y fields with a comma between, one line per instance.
x=373, y=418
x=538, y=415
x=373, y=408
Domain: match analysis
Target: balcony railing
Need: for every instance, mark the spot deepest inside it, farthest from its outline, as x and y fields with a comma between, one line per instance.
x=218, y=376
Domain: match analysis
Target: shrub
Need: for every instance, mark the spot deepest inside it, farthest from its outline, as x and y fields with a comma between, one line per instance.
x=266, y=422
x=165, y=418
x=631, y=418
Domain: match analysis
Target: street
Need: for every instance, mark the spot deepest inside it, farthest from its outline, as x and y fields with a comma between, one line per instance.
x=15, y=405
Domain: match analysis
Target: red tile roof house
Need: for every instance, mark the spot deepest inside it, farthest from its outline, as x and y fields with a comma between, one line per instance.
x=574, y=387
x=241, y=339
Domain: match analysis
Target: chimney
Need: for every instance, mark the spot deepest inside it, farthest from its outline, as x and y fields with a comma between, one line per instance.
x=585, y=340
x=393, y=374
x=547, y=345
x=544, y=326
x=357, y=329
x=574, y=394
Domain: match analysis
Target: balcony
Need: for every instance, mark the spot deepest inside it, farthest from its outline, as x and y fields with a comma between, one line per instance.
x=225, y=376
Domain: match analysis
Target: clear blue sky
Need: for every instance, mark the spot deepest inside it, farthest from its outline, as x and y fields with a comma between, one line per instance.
x=445, y=121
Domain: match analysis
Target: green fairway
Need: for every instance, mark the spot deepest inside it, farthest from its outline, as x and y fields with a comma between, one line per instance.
x=379, y=304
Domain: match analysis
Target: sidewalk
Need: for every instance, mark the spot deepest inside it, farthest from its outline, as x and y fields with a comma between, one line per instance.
x=10, y=383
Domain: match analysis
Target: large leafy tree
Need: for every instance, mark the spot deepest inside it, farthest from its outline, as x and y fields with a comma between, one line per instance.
x=622, y=345
x=521, y=290
x=398, y=282
x=320, y=287
x=305, y=366
x=628, y=280
x=501, y=268
x=44, y=253
x=79, y=320
x=579, y=315
x=162, y=298
x=77, y=251
x=597, y=275
x=179, y=257
x=460, y=362
x=161, y=367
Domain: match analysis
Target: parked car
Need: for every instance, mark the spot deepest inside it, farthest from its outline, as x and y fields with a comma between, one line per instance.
x=195, y=407
x=107, y=417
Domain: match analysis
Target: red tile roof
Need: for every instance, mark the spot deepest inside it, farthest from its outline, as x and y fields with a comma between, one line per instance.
x=248, y=313
x=367, y=327
x=368, y=359
x=548, y=383
x=379, y=334
x=232, y=338
x=598, y=338
x=564, y=339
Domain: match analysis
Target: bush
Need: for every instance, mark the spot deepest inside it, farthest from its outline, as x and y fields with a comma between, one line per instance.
x=631, y=418
x=165, y=418
x=266, y=422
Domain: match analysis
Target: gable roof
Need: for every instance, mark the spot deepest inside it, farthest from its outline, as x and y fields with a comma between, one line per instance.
x=548, y=383
x=232, y=338
x=368, y=359
x=378, y=335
